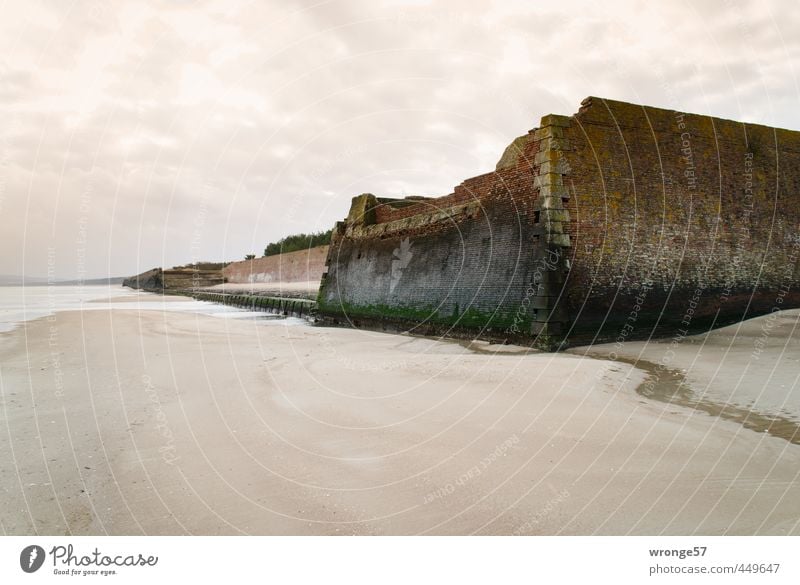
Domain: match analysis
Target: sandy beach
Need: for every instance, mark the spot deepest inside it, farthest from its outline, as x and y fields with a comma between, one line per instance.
x=136, y=421
x=752, y=368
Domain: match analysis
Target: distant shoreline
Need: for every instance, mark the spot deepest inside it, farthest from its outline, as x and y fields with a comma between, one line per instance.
x=91, y=281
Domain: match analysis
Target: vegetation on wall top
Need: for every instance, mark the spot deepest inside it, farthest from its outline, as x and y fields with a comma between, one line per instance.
x=298, y=242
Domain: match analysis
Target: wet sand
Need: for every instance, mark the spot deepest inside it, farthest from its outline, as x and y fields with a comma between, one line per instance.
x=159, y=422
x=140, y=297
x=748, y=372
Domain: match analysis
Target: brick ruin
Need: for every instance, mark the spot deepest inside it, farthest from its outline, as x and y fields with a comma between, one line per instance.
x=179, y=278
x=619, y=222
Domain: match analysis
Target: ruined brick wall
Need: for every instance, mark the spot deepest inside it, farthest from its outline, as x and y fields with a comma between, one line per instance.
x=180, y=278
x=459, y=261
x=621, y=221
x=299, y=266
x=677, y=221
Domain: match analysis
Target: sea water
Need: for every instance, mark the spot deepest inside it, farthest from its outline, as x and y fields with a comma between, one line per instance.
x=25, y=303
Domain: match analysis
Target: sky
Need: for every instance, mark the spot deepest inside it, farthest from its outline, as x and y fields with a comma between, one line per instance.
x=143, y=134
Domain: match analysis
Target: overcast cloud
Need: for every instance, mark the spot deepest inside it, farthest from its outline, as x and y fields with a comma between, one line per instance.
x=141, y=134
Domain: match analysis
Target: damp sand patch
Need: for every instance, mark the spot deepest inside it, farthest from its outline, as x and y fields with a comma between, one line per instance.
x=670, y=386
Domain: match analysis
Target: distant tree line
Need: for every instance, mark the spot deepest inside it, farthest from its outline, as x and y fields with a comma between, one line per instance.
x=298, y=242
x=203, y=266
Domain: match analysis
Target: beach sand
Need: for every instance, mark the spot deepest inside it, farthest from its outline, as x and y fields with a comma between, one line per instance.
x=137, y=296
x=158, y=422
x=752, y=367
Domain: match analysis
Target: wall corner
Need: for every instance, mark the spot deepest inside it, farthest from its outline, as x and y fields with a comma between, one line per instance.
x=551, y=320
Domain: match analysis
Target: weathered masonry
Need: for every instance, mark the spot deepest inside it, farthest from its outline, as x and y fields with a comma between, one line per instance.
x=621, y=221
x=300, y=266
x=180, y=278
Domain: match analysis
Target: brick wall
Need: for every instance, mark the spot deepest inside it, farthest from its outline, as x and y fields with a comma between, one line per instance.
x=621, y=221
x=299, y=266
x=470, y=276
x=678, y=220
x=459, y=261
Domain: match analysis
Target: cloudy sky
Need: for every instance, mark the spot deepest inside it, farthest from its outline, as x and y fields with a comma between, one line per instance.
x=141, y=134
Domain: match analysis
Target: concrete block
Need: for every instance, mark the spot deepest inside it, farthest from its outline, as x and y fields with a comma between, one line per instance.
x=554, y=166
x=552, y=227
x=556, y=120
x=558, y=239
x=555, y=215
x=549, y=132
x=551, y=203
x=544, y=156
x=556, y=144
x=548, y=179
x=554, y=191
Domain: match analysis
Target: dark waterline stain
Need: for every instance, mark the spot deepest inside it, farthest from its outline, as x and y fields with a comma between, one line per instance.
x=670, y=386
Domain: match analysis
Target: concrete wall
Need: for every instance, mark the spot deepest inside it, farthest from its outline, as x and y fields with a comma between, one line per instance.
x=299, y=266
x=614, y=223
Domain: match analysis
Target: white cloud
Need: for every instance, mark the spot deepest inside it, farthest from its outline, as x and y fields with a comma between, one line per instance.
x=134, y=118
